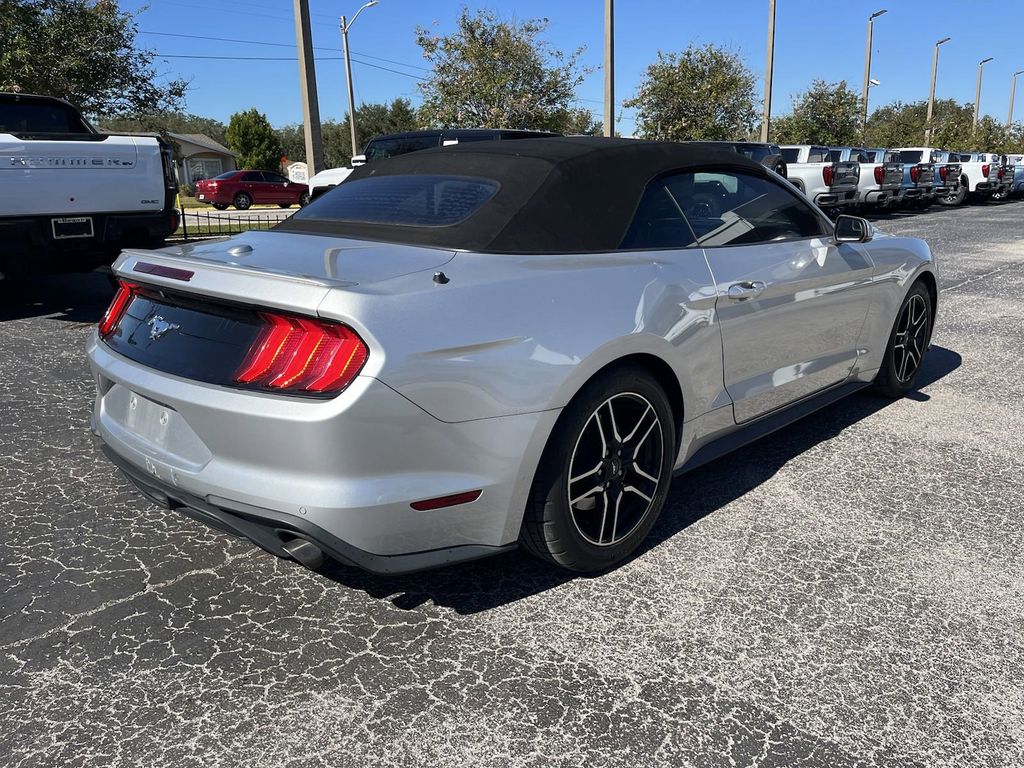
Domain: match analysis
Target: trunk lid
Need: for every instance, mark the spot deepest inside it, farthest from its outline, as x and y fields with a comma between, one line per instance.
x=277, y=269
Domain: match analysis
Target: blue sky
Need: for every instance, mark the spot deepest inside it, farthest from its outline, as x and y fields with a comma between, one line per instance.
x=822, y=38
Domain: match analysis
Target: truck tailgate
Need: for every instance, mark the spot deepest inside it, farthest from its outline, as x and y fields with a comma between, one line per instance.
x=80, y=177
x=845, y=176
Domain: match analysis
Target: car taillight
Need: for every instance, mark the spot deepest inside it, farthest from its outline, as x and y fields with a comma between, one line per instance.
x=943, y=172
x=985, y=169
x=1001, y=173
x=828, y=173
x=915, y=173
x=299, y=354
x=125, y=293
x=879, y=174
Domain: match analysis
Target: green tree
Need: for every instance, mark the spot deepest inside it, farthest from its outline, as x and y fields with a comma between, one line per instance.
x=257, y=144
x=826, y=113
x=704, y=93
x=83, y=51
x=371, y=120
x=900, y=124
x=168, y=122
x=491, y=73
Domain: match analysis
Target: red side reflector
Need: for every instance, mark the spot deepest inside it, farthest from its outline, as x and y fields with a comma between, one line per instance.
x=125, y=293
x=446, y=501
x=161, y=271
x=300, y=354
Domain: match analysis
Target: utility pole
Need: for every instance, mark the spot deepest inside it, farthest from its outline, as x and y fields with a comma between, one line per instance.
x=977, y=93
x=345, y=27
x=307, y=78
x=768, y=72
x=1013, y=92
x=931, y=94
x=867, y=66
x=609, y=68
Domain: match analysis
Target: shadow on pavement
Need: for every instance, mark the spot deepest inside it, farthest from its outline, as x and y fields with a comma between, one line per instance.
x=484, y=584
x=79, y=297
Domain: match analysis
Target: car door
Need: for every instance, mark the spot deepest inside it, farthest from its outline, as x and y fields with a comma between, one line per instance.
x=251, y=182
x=271, y=188
x=791, y=302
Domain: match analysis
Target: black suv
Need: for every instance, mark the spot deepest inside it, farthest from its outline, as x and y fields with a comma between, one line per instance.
x=768, y=155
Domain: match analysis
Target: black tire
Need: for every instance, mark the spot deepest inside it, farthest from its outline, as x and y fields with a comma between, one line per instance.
x=242, y=201
x=908, y=344
x=303, y=199
x=572, y=537
x=954, y=198
x=220, y=206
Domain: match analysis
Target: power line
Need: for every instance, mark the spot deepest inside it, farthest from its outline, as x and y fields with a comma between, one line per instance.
x=282, y=58
x=280, y=45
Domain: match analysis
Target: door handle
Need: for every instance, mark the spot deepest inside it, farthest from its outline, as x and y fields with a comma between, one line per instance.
x=748, y=289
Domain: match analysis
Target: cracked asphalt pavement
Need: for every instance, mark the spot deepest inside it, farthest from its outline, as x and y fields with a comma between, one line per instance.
x=848, y=592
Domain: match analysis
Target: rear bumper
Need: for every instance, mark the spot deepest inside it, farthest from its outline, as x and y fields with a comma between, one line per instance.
x=33, y=236
x=834, y=198
x=271, y=530
x=878, y=197
x=340, y=472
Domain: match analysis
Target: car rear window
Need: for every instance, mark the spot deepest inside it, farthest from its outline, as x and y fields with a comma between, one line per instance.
x=224, y=176
x=381, y=149
x=27, y=117
x=791, y=155
x=910, y=156
x=405, y=200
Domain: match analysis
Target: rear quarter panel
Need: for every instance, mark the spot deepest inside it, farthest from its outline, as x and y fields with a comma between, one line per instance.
x=517, y=334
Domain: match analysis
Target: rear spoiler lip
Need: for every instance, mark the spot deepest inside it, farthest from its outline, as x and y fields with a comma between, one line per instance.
x=137, y=255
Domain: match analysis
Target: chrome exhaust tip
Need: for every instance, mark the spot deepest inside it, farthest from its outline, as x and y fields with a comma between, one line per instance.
x=305, y=552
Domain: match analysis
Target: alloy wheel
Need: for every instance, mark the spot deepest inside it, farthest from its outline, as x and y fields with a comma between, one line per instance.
x=615, y=469
x=911, y=338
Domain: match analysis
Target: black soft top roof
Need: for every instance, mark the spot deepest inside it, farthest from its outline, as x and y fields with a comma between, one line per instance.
x=557, y=195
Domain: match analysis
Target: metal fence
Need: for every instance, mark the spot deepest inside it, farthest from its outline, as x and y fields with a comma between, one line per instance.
x=204, y=223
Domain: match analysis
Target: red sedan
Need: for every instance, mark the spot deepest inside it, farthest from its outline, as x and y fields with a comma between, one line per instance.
x=244, y=189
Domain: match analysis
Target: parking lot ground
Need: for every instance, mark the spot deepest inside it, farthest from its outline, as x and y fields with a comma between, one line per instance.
x=848, y=592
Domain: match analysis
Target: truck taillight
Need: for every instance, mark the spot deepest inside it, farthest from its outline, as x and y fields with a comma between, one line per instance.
x=828, y=173
x=879, y=174
x=943, y=172
x=118, y=306
x=300, y=354
x=985, y=169
x=1002, y=172
x=915, y=173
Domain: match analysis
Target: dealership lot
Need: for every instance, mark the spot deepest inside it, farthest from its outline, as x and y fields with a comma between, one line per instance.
x=846, y=592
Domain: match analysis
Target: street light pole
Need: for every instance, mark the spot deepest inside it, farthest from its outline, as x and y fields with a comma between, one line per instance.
x=609, y=68
x=1013, y=91
x=931, y=93
x=768, y=72
x=867, y=65
x=977, y=93
x=345, y=27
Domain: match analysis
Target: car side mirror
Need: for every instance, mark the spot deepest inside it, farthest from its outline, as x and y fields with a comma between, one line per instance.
x=358, y=160
x=852, y=229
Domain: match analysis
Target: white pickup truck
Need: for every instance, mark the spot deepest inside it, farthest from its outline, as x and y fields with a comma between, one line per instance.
x=881, y=174
x=830, y=185
x=71, y=198
x=979, y=177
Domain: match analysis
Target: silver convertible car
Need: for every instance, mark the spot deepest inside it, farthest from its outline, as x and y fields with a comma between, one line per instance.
x=459, y=351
